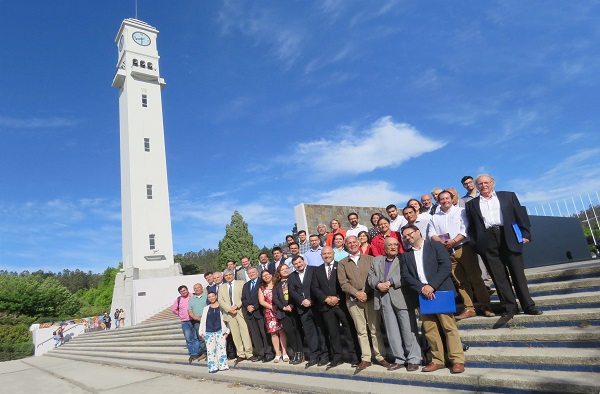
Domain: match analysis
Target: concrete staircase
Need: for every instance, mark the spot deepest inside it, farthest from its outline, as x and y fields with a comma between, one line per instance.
x=558, y=351
x=164, y=315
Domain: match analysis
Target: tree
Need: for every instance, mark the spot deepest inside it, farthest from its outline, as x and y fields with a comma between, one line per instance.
x=193, y=263
x=237, y=242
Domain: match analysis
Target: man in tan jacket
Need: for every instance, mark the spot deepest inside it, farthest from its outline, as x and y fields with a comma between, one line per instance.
x=352, y=275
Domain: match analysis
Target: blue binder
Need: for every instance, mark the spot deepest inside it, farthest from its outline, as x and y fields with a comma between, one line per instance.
x=518, y=232
x=442, y=303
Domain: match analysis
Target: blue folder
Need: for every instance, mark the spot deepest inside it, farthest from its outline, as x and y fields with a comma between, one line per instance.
x=518, y=232
x=442, y=303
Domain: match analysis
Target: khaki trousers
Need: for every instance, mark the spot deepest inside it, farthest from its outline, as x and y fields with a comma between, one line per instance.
x=365, y=316
x=240, y=335
x=443, y=324
x=466, y=271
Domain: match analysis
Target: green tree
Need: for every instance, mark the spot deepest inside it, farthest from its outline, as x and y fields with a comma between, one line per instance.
x=237, y=242
x=193, y=263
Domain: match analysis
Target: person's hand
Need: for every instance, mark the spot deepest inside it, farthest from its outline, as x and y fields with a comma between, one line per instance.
x=428, y=292
x=383, y=287
x=361, y=296
x=306, y=303
x=526, y=240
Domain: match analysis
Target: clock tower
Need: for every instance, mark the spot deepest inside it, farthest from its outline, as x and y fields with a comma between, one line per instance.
x=146, y=218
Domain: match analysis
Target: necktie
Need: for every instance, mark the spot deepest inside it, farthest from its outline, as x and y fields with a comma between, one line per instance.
x=230, y=294
x=328, y=271
x=252, y=287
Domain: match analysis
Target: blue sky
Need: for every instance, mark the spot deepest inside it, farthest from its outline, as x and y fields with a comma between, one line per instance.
x=269, y=104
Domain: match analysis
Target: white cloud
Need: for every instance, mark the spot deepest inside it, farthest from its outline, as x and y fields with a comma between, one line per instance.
x=574, y=175
x=384, y=144
x=366, y=194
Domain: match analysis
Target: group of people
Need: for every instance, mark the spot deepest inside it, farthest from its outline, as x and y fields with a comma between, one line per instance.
x=329, y=293
x=119, y=316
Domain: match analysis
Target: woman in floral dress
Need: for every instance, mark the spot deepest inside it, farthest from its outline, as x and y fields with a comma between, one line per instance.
x=214, y=331
x=274, y=327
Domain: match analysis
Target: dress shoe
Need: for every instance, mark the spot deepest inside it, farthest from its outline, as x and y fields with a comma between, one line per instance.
x=268, y=359
x=395, y=366
x=363, y=365
x=239, y=359
x=201, y=357
x=354, y=364
x=508, y=315
x=488, y=313
x=192, y=358
x=384, y=363
x=458, y=368
x=335, y=363
x=323, y=362
x=298, y=358
x=412, y=367
x=465, y=314
x=533, y=311
x=254, y=359
x=311, y=363
x=432, y=367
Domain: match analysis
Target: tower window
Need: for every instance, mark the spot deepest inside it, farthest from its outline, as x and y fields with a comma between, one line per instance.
x=142, y=64
x=147, y=144
x=144, y=100
x=135, y=62
x=152, y=241
x=149, y=65
x=149, y=192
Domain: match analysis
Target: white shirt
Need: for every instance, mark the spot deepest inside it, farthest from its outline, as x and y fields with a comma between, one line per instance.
x=354, y=258
x=356, y=230
x=490, y=210
x=398, y=223
x=301, y=275
x=453, y=223
x=419, y=260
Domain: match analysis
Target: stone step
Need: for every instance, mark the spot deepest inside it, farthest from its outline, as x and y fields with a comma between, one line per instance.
x=547, y=359
x=152, y=341
x=546, y=337
x=125, y=351
x=131, y=335
x=565, y=287
x=562, y=272
x=285, y=377
x=551, y=318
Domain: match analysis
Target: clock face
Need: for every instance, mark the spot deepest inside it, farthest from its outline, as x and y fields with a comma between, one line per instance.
x=121, y=41
x=141, y=38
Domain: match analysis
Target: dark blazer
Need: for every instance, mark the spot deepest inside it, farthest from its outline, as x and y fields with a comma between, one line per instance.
x=300, y=291
x=321, y=288
x=512, y=212
x=437, y=265
x=213, y=289
x=279, y=301
x=251, y=299
x=271, y=266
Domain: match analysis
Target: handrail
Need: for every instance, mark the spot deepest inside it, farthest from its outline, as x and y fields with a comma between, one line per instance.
x=52, y=337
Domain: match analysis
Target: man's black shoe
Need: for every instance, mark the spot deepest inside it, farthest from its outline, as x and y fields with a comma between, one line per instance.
x=323, y=362
x=533, y=311
x=335, y=363
x=354, y=364
x=268, y=359
x=311, y=363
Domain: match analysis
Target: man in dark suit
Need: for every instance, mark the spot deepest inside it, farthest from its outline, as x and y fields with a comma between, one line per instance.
x=331, y=302
x=254, y=317
x=426, y=268
x=491, y=218
x=299, y=287
x=277, y=260
x=263, y=262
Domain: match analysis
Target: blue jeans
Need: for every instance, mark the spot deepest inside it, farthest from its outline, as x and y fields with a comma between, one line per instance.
x=201, y=342
x=191, y=338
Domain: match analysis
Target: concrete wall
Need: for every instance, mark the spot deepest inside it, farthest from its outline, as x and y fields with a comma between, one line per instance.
x=43, y=340
x=153, y=295
x=552, y=237
x=308, y=216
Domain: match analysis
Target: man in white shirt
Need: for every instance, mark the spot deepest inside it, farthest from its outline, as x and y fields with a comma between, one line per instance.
x=449, y=226
x=355, y=227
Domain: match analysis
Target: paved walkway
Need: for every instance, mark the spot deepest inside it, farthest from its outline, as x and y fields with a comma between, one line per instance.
x=52, y=375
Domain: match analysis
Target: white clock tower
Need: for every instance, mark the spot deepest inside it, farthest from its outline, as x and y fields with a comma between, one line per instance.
x=146, y=218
